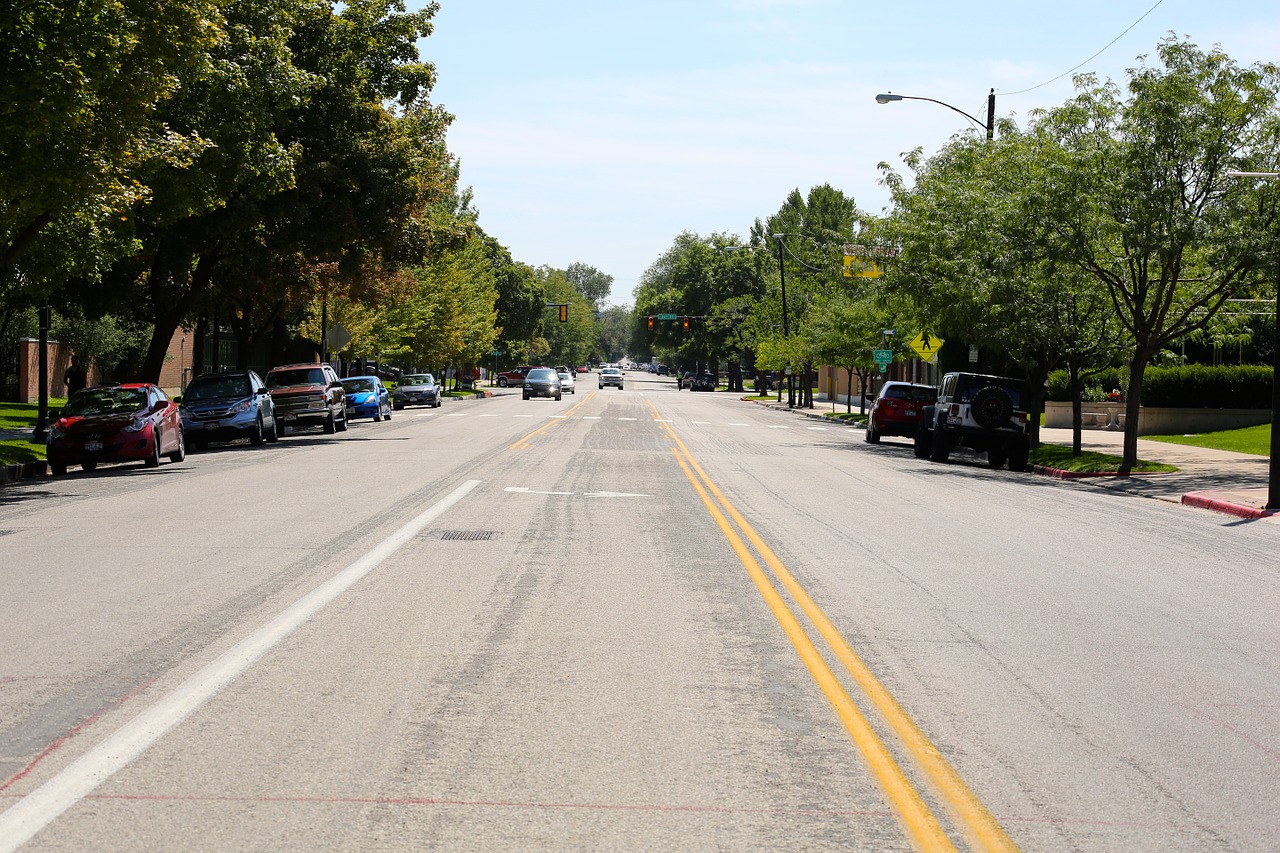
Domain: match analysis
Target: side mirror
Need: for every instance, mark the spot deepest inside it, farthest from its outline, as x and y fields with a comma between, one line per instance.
x=178, y=399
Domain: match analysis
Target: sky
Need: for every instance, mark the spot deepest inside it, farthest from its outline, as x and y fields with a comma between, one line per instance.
x=597, y=132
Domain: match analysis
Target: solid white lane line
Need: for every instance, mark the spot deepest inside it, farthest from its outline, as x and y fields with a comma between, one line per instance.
x=42, y=806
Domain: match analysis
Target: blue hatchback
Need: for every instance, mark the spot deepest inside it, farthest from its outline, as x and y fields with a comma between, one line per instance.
x=367, y=397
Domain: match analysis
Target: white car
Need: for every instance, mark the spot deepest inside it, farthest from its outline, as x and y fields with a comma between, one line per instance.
x=567, y=382
x=611, y=376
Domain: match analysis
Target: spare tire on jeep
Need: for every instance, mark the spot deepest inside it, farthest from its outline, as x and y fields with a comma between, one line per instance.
x=992, y=407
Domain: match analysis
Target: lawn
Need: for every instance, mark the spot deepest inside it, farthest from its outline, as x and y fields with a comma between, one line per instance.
x=1059, y=456
x=1254, y=439
x=22, y=416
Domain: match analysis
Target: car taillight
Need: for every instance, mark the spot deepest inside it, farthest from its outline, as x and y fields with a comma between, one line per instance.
x=955, y=409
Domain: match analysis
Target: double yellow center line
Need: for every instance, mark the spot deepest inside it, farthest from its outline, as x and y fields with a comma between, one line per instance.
x=922, y=827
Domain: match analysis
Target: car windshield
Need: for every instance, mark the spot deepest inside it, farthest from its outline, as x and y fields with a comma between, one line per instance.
x=106, y=401
x=296, y=376
x=419, y=379
x=217, y=388
x=355, y=386
x=542, y=374
x=914, y=393
x=612, y=371
x=565, y=376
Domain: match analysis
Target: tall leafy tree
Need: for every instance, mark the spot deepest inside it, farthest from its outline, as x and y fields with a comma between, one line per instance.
x=1139, y=196
x=79, y=86
x=590, y=282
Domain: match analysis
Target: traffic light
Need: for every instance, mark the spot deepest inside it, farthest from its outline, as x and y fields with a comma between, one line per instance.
x=564, y=313
x=684, y=323
x=651, y=324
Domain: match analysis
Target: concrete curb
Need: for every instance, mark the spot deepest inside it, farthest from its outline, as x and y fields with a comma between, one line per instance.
x=23, y=471
x=1204, y=500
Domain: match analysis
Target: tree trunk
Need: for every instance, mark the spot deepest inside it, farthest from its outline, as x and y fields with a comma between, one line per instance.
x=1132, y=409
x=1077, y=419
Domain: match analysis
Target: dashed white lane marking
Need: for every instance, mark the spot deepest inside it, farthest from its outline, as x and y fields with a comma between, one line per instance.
x=42, y=806
x=628, y=419
x=592, y=417
x=700, y=423
x=733, y=424
x=457, y=415
x=820, y=429
x=775, y=426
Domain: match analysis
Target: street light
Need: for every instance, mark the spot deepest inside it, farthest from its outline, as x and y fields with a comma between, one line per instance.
x=1273, y=468
x=990, y=124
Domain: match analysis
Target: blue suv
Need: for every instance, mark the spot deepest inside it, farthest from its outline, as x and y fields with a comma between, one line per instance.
x=227, y=406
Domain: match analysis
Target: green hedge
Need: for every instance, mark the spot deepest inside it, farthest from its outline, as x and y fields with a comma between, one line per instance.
x=1227, y=386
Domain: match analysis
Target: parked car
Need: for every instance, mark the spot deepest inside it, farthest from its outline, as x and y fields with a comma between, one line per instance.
x=542, y=382
x=611, y=376
x=367, y=397
x=703, y=382
x=227, y=406
x=896, y=410
x=308, y=395
x=985, y=413
x=662, y=370
x=568, y=382
x=514, y=377
x=115, y=423
x=417, y=389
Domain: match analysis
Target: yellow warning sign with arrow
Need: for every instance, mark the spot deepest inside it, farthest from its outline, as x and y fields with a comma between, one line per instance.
x=926, y=344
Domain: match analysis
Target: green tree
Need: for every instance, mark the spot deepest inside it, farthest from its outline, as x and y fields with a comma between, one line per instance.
x=1141, y=200
x=79, y=83
x=588, y=281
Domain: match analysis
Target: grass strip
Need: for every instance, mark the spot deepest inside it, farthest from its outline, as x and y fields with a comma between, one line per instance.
x=1255, y=440
x=1059, y=456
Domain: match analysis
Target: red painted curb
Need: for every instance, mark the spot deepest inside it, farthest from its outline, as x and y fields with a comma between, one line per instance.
x=1197, y=500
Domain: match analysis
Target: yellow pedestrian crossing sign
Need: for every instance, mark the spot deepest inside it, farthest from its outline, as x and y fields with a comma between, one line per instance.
x=926, y=344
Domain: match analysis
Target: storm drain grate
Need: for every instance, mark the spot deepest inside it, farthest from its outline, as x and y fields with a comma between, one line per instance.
x=467, y=535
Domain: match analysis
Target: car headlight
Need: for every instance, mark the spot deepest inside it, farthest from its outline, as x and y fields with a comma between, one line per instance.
x=56, y=431
x=242, y=406
x=135, y=425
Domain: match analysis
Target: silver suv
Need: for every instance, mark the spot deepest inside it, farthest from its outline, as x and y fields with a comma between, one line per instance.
x=308, y=395
x=985, y=413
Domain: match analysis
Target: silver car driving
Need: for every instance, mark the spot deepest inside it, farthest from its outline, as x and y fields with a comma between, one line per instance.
x=416, y=389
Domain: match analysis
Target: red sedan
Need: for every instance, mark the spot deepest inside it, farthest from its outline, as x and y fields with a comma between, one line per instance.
x=116, y=423
x=897, y=409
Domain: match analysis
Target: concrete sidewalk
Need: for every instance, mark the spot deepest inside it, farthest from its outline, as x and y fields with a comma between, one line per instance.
x=1234, y=483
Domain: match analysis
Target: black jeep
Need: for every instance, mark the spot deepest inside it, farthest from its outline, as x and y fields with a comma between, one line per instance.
x=985, y=413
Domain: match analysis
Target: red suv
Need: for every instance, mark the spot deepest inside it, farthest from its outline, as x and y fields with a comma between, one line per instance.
x=514, y=377
x=897, y=409
x=308, y=395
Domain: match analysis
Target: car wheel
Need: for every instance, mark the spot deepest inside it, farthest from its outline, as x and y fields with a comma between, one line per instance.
x=438, y=404
x=342, y=424
x=1018, y=454
x=557, y=398
x=181, y=453
x=88, y=466
x=387, y=416
x=153, y=461
x=274, y=435
x=330, y=424
x=397, y=406
x=502, y=382
x=58, y=469
x=941, y=449
x=871, y=436
x=996, y=456
x=257, y=437
x=199, y=444
x=526, y=396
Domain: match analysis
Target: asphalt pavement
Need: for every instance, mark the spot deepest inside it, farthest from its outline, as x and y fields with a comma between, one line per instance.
x=1219, y=480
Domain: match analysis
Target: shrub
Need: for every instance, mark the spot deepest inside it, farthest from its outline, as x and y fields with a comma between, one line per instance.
x=1225, y=386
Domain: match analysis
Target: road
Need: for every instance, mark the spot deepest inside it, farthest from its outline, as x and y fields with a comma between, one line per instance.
x=635, y=620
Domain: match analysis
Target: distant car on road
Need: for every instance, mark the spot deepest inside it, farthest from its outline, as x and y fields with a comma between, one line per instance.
x=367, y=397
x=227, y=406
x=416, y=389
x=567, y=382
x=514, y=377
x=703, y=382
x=542, y=382
x=611, y=376
x=115, y=423
x=897, y=410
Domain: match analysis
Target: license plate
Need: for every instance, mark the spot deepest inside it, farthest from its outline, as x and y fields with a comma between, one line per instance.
x=92, y=446
x=910, y=413
x=289, y=417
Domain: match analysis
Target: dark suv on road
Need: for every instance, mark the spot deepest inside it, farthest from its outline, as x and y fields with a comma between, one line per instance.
x=308, y=395
x=984, y=413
